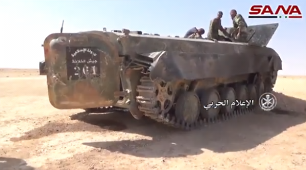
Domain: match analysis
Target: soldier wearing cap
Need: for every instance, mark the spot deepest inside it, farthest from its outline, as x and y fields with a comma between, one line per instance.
x=215, y=26
x=240, y=32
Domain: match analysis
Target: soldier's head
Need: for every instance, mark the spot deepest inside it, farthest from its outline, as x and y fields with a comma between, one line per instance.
x=233, y=13
x=220, y=14
x=201, y=31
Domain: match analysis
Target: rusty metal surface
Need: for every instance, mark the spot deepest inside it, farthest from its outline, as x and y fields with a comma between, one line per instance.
x=96, y=87
x=191, y=66
x=263, y=34
x=108, y=57
x=258, y=35
x=192, y=59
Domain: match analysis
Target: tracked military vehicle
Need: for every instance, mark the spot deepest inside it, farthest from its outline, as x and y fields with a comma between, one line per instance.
x=170, y=80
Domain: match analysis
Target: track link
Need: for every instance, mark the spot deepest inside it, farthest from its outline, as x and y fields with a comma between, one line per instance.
x=105, y=109
x=147, y=103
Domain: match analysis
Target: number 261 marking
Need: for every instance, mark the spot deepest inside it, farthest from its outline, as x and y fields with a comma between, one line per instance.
x=86, y=70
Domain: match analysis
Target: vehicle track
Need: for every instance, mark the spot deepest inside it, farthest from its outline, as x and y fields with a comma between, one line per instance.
x=147, y=100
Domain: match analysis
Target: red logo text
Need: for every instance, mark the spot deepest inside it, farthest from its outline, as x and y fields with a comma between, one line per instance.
x=265, y=11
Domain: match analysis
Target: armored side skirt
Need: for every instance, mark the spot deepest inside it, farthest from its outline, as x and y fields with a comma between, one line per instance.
x=191, y=66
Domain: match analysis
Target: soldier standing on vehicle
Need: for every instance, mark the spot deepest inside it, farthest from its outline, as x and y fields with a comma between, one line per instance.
x=240, y=32
x=194, y=33
x=215, y=26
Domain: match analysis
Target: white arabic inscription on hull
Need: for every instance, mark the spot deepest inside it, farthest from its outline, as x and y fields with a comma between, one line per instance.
x=86, y=70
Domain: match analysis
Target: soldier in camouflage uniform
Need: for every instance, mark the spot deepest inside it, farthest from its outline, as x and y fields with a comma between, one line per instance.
x=240, y=32
x=194, y=33
x=195, y=36
x=215, y=26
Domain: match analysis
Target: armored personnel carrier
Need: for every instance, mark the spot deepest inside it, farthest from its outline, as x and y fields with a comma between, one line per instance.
x=180, y=82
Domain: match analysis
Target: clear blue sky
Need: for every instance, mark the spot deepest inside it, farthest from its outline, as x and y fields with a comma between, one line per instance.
x=25, y=24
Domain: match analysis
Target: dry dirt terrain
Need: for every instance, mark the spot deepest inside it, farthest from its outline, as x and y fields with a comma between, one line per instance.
x=34, y=135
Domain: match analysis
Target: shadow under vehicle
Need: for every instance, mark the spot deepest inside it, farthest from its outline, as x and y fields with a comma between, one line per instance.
x=14, y=163
x=166, y=79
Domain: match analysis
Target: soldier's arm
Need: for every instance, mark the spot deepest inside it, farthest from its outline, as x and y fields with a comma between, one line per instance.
x=222, y=29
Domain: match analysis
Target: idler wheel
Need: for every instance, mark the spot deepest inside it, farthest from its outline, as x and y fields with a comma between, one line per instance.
x=187, y=107
x=228, y=94
x=210, y=97
x=241, y=95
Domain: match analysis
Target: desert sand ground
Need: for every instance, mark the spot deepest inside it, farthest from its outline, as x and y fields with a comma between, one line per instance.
x=34, y=135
